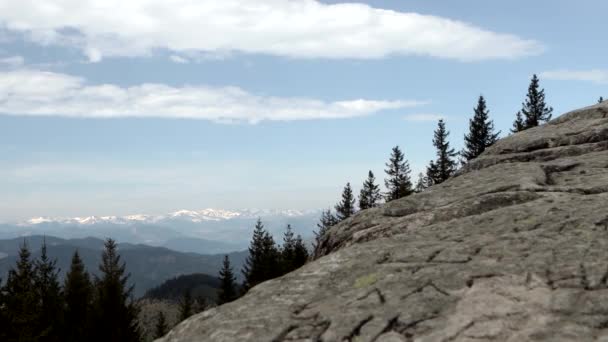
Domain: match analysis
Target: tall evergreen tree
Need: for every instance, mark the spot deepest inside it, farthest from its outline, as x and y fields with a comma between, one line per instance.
x=601, y=99
x=263, y=260
x=370, y=196
x=288, y=250
x=227, y=291
x=327, y=220
x=21, y=301
x=115, y=311
x=300, y=253
x=186, y=306
x=78, y=299
x=445, y=165
x=398, y=183
x=50, y=309
x=160, y=327
x=481, y=132
x=534, y=109
x=519, y=124
x=346, y=207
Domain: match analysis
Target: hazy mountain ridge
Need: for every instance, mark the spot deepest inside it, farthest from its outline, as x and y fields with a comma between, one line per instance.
x=203, y=231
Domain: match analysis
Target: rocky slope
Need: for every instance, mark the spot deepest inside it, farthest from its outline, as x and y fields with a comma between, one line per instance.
x=514, y=248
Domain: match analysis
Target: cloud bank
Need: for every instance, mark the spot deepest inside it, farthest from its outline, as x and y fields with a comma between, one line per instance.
x=43, y=93
x=594, y=75
x=288, y=28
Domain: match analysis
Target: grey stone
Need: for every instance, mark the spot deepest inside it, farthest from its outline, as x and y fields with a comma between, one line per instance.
x=513, y=248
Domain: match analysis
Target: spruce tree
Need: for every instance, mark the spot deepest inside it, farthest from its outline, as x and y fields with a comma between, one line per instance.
x=370, y=196
x=422, y=183
x=601, y=99
x=160, y=327
x=263, y=260
x=398, y=183
x=21, y=300
x=326, y=221
x=50, y=310
x=288, y=250
x=481, y=132
x=519, y=124
x=115, y=311
x=445, y=165
x=300, y=253
x=346, y=207
x=186, y=305
x=535, y=110
x=227, y=292
x=78, y=300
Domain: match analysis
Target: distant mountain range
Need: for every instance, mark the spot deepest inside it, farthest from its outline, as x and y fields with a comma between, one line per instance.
x=206, y=231
x=149, y=266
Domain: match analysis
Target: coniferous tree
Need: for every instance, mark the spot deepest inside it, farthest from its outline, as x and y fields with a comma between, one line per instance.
x=326, y=221
x=4, y=330
x=160, y=327
x=398, y=183
x=346, y=207
x=115, y=311
x=445, y=165
x=601, y=99
x=519, y=124
x=186, y=306
x=370, y=196
x=50, y=308
x=422, y=183
x=227, y=292
x=481, y=132
x=78, y=293
x=263, y=260
x=288, y=250
x=21, y=301
x=534, y=109
x=300, y=253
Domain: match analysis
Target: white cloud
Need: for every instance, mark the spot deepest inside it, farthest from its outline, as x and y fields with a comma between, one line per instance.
x=292, y=28
x=595, y=75
x=33, y=92
x=13, y=61
x=421, y=117
x=177, y=59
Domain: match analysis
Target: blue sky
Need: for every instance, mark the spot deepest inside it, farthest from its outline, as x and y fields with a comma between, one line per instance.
x=155, y=106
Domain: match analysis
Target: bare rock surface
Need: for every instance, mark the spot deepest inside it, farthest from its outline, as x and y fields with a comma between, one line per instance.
x=514, y=248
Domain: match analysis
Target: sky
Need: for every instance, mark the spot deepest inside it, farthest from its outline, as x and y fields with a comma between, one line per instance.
x=150, y=106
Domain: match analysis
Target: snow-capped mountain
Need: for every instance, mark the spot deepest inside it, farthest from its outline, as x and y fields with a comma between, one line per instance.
x=202, y=231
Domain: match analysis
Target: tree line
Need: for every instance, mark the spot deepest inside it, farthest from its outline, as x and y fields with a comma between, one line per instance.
x=398, y=182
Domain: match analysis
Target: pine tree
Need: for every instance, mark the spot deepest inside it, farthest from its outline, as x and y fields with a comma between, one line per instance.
x=21, y=301
x=288, y=250
x=300, y=253
x=50, y=310
x=535, y=110
x=326, y=221
x=263, y=260
x=227, y=292
x=519, y=124
x=445, y=165
x=115, y=311
x=398, y=171
x=160, y=327
x=78, y=299
x=370, y=196
x=186, y=306
x=346, y=207
x=422, y=183
x=481, y=132
x=601, y=99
